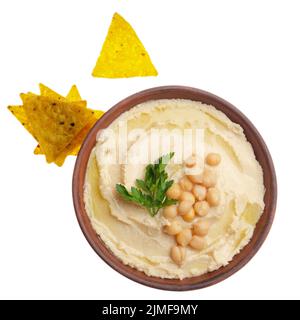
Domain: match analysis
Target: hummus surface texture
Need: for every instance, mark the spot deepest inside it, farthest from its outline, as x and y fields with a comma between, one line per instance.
x=135, y=237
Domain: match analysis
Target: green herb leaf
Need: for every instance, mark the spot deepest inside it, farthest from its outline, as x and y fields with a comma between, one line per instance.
x=150, y=193
x=142, y=185
x=169, y=202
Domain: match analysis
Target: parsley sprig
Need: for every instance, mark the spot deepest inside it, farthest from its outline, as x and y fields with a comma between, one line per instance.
x=150, y=193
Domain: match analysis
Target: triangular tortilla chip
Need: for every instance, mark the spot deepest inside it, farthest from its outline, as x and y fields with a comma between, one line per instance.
x=38, y=151
x=55, y=123
x=20, y=114
x=73, y=94
x=123, y=54
x=47, y=92
x=73, y=147
x=97, y=114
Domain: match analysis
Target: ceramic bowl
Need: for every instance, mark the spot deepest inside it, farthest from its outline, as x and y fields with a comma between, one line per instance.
x=262, y=154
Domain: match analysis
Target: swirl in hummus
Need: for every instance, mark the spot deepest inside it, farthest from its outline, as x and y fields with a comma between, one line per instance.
x=138, y=239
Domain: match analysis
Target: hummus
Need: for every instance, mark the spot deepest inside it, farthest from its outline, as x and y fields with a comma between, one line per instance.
x=135, y=237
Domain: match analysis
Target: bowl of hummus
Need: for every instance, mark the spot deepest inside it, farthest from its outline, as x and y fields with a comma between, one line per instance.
x=175, y=188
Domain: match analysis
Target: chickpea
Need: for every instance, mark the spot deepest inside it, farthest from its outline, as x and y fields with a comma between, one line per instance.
x=184, y=207
x=170, y=211
x=197, y=243
x=174, y=191
x=199, y=192
x=201, y=228
x=209, y=178
x=173, y=228
x=184, y=237
x=201, y=208
x=177, y=254
x=186, y=184
x=196, y=178
x=213, y=197
x=188, y=217
x=190, y=162
x=187, y=196
x=213, y=159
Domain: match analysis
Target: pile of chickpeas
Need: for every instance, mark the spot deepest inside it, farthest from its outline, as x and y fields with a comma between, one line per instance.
x=196, y=194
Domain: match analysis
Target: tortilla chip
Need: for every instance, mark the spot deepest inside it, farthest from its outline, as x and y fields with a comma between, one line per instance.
x=47, y=92
x=123, y=54
x=37, y=150
x=72, y=148
x=75, y=145
x=20, y=114
x=97, y=114
x=55, y=123
x=73, y=94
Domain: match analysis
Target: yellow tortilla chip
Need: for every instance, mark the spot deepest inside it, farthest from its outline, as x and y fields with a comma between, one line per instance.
x=123, y=54
x=97, y=114
x=55, y=123
x=47, y=92
x=73, y=94
x=37, y=150
x=73, y=147
x=20, y=114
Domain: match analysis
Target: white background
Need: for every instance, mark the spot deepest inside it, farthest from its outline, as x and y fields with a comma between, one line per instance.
x=244, y=51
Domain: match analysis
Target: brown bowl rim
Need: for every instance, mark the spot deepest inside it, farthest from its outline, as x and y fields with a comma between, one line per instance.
x=260, y=148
